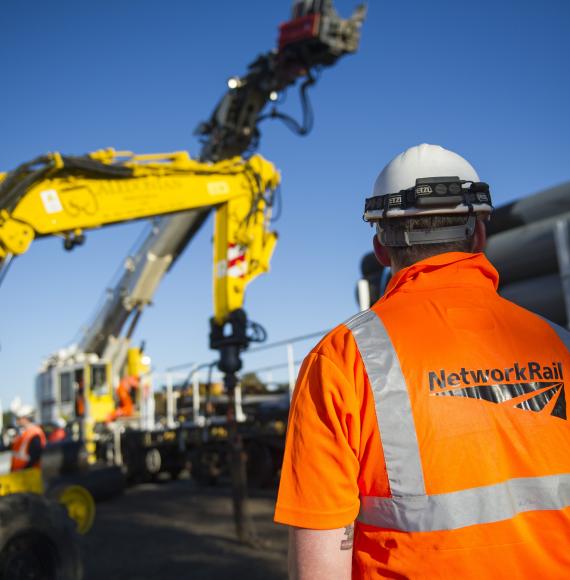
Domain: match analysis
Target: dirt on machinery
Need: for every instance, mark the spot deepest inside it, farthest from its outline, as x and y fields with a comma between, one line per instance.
x=174, y=530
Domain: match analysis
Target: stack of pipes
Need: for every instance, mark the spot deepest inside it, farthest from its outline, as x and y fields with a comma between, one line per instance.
x=529, y=255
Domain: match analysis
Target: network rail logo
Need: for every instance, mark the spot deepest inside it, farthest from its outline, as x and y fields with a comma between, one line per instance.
x=531, y=387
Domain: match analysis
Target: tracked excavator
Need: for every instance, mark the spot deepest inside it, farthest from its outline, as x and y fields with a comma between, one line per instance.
x=66, y=196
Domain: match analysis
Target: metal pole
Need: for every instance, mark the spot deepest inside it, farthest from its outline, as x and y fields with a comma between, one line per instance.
x=240, y=415
x=195, y=398
x=363, y=287
x=118, y=453
x=286, y=341
x=142, y=397
x=563, y=254
x=291, y=365
x=245, y=526
x=149, y=404
x=169, y=402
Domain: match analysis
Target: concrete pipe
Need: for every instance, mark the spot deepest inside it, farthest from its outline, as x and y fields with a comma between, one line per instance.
x=542, y=295
x=525, y=252
x=542, y=205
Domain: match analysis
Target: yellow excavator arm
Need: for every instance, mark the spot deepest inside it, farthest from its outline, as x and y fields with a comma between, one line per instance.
x=64, y=196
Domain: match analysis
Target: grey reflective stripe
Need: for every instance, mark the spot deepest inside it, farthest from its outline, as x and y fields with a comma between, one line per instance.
x=562, y=333
x=480, y=505
x=392, y=401
x=22, y=454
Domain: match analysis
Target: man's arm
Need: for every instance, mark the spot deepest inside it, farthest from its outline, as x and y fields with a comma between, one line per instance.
x=320, y=554
x=34, y=451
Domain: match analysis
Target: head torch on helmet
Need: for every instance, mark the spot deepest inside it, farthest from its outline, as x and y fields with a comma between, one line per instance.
x=431, y=195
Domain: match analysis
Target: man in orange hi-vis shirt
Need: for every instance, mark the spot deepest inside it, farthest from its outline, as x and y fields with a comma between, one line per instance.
x=428, y=436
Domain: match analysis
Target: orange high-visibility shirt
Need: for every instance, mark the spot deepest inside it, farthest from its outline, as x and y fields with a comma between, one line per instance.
x=21, y=447
x=437, y=420
x=58, y=434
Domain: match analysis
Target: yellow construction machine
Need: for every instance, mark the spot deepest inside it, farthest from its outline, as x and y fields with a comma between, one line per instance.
x=66, y=196
x=56, y=195
x=38, y=532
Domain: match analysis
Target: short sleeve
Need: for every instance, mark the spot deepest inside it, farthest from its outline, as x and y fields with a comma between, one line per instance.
x=319, y=477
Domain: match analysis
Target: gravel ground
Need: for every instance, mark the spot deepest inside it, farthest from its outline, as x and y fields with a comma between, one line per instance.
x=176, y=530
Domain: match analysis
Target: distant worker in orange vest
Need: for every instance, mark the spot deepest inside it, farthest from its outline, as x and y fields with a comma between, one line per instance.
x=126, y=393
x=58, y=432
x=28, y=445
x=428, y=436
x=79, y=399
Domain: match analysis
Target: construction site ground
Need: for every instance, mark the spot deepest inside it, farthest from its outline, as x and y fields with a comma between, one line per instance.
x=178, y=529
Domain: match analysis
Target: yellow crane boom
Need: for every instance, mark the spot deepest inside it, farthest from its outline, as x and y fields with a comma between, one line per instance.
x=65, y=196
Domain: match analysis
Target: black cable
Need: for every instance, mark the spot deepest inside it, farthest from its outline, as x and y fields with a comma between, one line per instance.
x=292, y=124
x=258, y=332
x=21, y=170
x=253, y=144
x=277, y=202
x=5, y=266
x=20, y=180
x=97, y=168
x=254, y=180
x=23, y=177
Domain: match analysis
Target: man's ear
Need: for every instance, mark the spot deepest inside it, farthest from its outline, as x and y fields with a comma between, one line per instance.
x=381, y=253
x=479, y=240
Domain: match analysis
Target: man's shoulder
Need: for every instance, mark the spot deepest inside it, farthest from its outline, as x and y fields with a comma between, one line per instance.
x=530, y=327
x=338, y=342
x=334, y=364
x=562, y=333
x=515, y=311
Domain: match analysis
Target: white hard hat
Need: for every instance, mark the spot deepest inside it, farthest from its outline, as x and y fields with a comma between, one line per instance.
x=426, y=180
x=24, y=411
x=422, y=161
x=426, y=163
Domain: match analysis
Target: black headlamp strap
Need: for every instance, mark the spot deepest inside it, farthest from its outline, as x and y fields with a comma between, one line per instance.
x=430, y=193
x=467, y=199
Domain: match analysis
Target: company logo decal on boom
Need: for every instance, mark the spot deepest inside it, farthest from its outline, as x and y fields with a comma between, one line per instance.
x=539, y=388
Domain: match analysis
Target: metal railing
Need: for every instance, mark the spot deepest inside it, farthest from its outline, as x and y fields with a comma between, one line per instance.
x=191, y=376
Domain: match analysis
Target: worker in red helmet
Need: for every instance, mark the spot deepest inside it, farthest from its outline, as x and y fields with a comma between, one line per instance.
x=28, y=445
x=428, y=435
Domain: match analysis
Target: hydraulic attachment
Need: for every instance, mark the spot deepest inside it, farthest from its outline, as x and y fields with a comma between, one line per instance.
x=315, y=37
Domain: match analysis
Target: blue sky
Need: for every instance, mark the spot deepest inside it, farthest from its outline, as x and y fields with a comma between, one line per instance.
x=488, y=79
